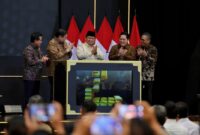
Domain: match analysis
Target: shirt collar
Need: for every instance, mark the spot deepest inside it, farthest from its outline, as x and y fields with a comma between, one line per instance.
x=183, y=119
x=171, y=120
x=86, y=44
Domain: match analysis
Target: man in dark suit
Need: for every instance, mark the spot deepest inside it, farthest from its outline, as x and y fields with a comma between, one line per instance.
x=33, y=64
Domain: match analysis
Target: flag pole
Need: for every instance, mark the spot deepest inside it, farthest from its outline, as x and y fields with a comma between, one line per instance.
x=129, y=8
x=95, y=11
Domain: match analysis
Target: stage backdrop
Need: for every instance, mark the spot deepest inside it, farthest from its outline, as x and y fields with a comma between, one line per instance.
x=19, y=18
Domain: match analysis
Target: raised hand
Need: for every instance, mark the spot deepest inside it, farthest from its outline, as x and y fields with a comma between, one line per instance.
x=94, y=50
x=45, y=59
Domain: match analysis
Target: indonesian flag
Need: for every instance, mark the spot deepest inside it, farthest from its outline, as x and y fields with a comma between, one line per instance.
x=88, y=26
x=135, y=35
x=116, y=34
x=104, y=36
x=73, y=35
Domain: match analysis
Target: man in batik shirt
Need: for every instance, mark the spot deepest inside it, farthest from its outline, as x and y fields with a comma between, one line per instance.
x=33, y=64
x=147, y=53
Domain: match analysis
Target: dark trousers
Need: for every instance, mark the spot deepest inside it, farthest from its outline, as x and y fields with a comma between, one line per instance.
x=31, y=87
x=147, y=90
x=51, y=87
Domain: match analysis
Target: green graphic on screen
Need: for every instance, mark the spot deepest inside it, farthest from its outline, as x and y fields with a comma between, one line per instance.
x=104, y=87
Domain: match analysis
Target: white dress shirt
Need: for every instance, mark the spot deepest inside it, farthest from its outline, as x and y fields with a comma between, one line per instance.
x=84, y=52
x=174, y=128
x=192, y=127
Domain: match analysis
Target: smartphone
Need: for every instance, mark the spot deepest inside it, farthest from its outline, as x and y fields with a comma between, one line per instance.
x=42, y=112
x=105, y=125
x=130, y=111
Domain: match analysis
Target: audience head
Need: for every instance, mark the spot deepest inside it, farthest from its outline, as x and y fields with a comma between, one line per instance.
x=146, y=38
x=182, y=109
x=36, y=39
x=88, y=106
x=161, y=113
x=90, y=38
x=41, y=132
x=140, y=127
x=16, y=126
x=60, y=36
x=124, y=39
x=171, y=109
x=35, y=99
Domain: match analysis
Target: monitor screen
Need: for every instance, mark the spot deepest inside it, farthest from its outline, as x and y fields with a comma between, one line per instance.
x=104, y=82
x=104, y=87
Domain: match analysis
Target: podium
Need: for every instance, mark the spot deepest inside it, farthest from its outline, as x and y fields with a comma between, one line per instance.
x=59, y=82
x=104, y=82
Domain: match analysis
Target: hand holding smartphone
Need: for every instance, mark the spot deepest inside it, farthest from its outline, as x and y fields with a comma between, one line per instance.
x=42, y=112
x=131, y=111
